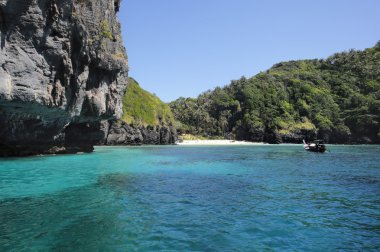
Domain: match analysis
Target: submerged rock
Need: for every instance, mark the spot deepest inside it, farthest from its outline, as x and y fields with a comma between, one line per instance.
x=63, y=68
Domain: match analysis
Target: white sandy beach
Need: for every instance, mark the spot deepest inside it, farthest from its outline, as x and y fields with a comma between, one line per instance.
x=218, y=142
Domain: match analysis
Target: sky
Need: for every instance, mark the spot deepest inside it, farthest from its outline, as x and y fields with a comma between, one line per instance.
x=184, y=47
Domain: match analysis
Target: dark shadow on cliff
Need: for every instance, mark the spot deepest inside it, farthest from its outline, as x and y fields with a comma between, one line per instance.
x=2, y=28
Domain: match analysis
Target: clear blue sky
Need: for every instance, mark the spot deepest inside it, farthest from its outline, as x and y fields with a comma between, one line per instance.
x=184, y=47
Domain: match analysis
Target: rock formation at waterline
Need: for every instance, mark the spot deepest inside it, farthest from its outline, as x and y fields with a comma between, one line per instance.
x=121, y=133
x=146, y=120
x=63, y=68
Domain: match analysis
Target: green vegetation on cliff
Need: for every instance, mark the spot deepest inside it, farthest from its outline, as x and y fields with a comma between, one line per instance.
x=336, y=99
x=143, y=108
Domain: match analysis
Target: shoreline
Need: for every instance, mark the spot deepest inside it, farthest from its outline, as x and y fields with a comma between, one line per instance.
x=219, y=142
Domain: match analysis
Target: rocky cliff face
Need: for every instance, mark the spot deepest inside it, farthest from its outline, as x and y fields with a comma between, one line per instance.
x=120, y=133
x=63, y=67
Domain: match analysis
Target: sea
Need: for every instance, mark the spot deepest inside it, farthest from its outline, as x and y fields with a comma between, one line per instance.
x=193, y=198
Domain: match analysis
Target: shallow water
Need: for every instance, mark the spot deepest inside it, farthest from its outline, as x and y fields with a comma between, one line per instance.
x=219, y=198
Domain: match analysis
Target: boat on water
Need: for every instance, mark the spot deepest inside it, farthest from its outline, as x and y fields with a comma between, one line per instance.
x=314, y=146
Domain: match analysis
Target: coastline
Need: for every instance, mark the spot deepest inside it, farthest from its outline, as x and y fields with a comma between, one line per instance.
x=218, y=142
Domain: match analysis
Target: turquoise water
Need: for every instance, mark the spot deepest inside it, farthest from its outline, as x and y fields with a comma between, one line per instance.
x=220, y=198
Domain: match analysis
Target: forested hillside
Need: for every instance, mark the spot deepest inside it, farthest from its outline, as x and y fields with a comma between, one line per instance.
x=336, y=99
x=143, y=108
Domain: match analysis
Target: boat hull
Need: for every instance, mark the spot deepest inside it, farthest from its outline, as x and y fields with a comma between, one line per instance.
x=319, y=150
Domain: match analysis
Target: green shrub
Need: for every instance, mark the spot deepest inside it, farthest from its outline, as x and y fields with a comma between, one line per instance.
x=105, y=30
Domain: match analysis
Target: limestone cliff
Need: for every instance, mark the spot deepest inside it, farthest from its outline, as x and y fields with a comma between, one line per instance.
x=121, y=133
x=63, y=68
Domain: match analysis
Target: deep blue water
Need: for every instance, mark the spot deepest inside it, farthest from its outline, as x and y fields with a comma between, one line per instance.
x=220, y=198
